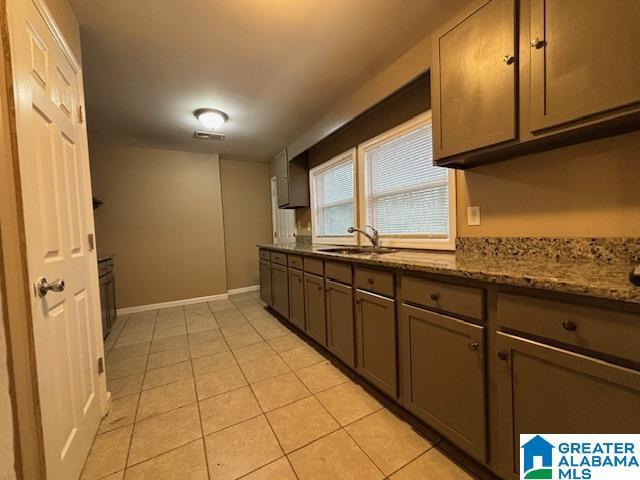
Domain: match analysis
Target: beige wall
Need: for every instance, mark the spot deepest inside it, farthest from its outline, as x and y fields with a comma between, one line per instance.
x=67, y=22
x=7, y=468
x=247, y=218
x=162, y=218
x=589, y=189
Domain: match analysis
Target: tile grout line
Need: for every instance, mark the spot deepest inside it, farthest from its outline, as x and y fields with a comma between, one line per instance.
x=135, y=415
x=195, y=390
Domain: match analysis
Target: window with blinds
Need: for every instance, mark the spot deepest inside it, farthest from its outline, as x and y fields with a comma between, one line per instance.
x=404, y=194
x=333, y=202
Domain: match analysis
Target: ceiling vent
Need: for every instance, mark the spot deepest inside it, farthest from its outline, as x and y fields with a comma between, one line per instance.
x=208, y=135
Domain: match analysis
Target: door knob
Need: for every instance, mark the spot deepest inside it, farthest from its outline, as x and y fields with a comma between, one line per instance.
x=508, y=59
x=537, y=43
x=43, y=287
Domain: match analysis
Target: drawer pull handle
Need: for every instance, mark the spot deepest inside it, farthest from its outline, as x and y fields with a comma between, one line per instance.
x=568, y=325
x=503, y=355
x=473, y=346
x=435, y=296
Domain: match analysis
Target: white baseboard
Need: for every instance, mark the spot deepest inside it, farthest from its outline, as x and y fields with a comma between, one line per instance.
x=174, y=303
x=235, y=291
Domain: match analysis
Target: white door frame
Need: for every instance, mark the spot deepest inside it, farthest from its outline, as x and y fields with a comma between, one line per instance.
x=283, y=221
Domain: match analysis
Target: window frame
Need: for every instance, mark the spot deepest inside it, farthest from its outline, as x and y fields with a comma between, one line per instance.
x=409, y=240
x=334, y=240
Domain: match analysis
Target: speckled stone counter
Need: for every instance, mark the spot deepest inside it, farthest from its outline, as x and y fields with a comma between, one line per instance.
x=574, y=274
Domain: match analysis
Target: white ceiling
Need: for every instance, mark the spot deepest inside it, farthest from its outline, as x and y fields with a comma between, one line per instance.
x=274, y=66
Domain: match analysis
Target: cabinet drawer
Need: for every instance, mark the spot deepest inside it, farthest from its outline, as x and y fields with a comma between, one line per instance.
x=279, y=258
x=313, y=265
x=610, y=332
x=457, y=299
x=339, y=271
x=265, y=254
x=295, y=261
x=378, y=281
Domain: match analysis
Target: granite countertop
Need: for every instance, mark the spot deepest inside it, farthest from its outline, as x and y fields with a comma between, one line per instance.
x=582, y=276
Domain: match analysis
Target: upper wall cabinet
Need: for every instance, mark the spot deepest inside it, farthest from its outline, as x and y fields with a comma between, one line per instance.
x=474, y=102
x=578, y=62
x=566, y=75
x=293, y=180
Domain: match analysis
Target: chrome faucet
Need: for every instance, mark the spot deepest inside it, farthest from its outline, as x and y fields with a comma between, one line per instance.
x=374, y=237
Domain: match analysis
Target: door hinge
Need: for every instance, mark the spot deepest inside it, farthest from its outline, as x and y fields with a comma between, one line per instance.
x=100, y=365
x=92, y=241
x=80, y=114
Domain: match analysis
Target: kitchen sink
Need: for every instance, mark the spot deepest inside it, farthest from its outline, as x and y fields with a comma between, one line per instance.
x=358, y=250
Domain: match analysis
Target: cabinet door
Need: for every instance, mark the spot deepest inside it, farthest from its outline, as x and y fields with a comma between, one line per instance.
x=316, y=326
x=296, y=298
x=582, y=58
x=376, y=340
x=282, y=177
x=265, y=282
x=544, y=389
x=443, y=363
x=104, y=307
x=474, y=80
x=111, y=293
x=340, y=322
x=280, y=289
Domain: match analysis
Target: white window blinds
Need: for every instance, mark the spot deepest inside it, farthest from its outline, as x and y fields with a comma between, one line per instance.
x=334, y=198
x=405, y=194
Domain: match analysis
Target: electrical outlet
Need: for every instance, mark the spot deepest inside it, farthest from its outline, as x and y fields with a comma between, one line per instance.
x=473, y=215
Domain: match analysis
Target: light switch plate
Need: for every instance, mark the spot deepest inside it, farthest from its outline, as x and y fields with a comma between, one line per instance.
x=473, y=215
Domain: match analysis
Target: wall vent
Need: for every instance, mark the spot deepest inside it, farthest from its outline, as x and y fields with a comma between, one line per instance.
x=208, y=135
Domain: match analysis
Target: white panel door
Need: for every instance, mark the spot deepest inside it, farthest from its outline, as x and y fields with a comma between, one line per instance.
x=56, y=191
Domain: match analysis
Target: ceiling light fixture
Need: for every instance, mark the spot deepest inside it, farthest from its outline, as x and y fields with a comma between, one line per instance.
x=211, y=118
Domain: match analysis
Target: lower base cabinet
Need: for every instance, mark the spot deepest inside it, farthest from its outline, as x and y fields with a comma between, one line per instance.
x=340, y=324
x=545, y=389
x=265, y=282
x=316, y=325
x=280, y=289
x=376, y=341
x=444, y=376
x=296, y=298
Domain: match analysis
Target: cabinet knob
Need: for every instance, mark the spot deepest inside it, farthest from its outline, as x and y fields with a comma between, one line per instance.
x=318, y=287
x=503, y=355
x=370, y=280
x=508, y=59
x=357, y=302
x=569, y=325
x=537, y=43
x=434, y=296
x=473, y=346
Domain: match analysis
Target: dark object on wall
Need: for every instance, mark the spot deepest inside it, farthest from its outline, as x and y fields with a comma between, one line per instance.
x=97, y=203
x=107, y=294
x=634, y=276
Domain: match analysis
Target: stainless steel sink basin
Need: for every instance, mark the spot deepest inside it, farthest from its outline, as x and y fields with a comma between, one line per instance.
x=358, y=250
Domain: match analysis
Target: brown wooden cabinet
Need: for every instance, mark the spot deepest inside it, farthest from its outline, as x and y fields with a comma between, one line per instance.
x=108, y=308
x=512, y=78
x=340, y=322
x=280, y=289
x=376, y=340
x=316, y=326
x=265, y=282
x=443, y=362
x=542, y=388
x=296, y=298
x=581, y=59
x=474, y=80
x=292, y=176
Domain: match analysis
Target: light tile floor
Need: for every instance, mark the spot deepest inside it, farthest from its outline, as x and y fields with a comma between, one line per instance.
x=222, y=390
